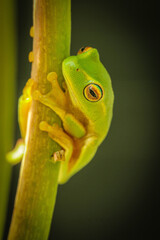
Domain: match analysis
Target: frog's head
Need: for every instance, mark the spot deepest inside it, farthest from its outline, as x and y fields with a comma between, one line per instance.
x=89, y=84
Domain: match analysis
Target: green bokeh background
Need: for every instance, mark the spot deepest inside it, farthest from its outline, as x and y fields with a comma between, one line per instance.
x=116, y=196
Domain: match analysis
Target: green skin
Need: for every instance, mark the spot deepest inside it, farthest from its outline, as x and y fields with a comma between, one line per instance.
x=85, y=122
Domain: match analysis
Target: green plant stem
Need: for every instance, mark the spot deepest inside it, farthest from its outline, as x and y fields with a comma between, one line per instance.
x=7, y=98
x=37, y=188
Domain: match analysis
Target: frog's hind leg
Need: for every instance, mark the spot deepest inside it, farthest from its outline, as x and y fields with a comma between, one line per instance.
x=86, y=152
x=57, y=133
x=24, y=105
x=15, y=156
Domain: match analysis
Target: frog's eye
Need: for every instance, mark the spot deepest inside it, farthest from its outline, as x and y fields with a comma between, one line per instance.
x=83, y=49
x=93, y=92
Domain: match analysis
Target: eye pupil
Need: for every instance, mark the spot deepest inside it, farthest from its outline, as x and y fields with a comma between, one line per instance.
x=82, y=49
x=92, y=93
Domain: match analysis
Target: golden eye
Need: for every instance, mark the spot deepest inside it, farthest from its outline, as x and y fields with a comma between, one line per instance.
x=93, y=92
x=83, y=49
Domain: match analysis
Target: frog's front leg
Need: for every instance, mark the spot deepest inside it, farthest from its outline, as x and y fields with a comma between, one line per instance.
x=57, y=101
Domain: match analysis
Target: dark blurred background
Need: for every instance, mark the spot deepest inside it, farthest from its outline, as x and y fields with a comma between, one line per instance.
x=117, y=195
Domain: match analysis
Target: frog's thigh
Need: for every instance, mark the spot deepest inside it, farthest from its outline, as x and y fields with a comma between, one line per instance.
x=24, y=104
x=23, y=110
x=87, y=153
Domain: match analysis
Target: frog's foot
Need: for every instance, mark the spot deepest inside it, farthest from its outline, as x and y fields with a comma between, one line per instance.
x=15, y=156
x=55, y=98
x=58, y=156
x=57, y=134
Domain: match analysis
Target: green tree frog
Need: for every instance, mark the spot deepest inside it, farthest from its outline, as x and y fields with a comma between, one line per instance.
x=84, y=104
